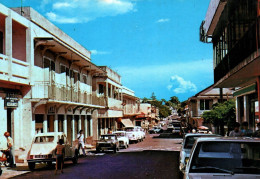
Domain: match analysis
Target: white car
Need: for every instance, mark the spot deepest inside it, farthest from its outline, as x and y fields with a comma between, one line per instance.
x=43, y=149
x=224, y=157
x=132, y=134
x=141, y=132
x=188, y=141
x=122, y=138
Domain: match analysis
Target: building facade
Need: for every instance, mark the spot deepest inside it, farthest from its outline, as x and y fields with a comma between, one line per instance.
x=203, y=101
x=233, y=28
x=46, y=80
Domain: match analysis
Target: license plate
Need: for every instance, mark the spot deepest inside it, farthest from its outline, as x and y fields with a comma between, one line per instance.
x=39, y=156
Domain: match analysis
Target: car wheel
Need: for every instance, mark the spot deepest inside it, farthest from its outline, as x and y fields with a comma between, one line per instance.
x=31, y=165
x=49, y=164
x=98, y=150
x=75, y=158
x=125, y=146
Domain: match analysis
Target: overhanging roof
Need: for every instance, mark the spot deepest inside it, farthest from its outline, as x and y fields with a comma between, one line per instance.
x=68, y=53
x=127, y=123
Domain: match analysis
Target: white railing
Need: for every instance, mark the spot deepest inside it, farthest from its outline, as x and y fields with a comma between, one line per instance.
x=17, y=71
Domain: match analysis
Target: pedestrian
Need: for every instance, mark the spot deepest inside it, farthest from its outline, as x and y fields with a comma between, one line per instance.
x=81, y=142
x=10, y=150
x=236, y=132
x=245, y=131
x=60, y=154
x=257, y=132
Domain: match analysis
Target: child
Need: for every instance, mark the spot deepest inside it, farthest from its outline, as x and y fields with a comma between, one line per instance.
x=60, y=153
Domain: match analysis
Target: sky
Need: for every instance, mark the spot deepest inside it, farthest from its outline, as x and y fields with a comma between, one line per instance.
x=153, y=44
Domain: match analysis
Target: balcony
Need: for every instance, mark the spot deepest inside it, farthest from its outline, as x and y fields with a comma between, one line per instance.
x=51, y=85
x=240, y=51
x=16, y=71
x=114, y=104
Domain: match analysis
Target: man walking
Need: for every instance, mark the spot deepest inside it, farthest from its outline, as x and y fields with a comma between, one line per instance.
x=10, y=151
x=81, y=142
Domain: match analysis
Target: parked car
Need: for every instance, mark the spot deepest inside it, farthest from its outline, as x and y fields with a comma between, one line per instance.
x=155, y=130
x=132, y=134
x=122, y=138
x=141, y=132
x=188, y=141
x=224, y=157
x=176, y=127
x=107, y=142
x=43, y=149
x=169, y=127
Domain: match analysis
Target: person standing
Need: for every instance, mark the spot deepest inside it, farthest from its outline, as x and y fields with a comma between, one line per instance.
x=236, y=132
x=245, y=131
x=257, y=132
x=60, y=154
x=81, y=142
x=10, y=149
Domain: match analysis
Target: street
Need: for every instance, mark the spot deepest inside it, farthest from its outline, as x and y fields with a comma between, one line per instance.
x=152, y=158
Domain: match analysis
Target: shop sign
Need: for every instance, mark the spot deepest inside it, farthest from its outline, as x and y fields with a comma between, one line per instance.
x=11, y=102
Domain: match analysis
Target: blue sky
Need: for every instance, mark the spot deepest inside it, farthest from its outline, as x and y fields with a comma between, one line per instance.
x=153, y=44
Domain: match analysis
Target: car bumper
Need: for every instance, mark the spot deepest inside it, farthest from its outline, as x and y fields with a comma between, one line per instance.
x=41, y=160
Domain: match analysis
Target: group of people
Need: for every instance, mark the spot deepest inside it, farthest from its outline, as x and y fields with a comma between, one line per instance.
x=244, y=132
x=60, y=151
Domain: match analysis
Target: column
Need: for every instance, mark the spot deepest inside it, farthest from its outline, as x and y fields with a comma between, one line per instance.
x=111, y=91
x=246, y=109
x=91, y=126
x=237, y=109
x=105, y=127
x=258, y=93
x=45, y=125
x=86, y=125
x=79, y=123
x=94, y=121
x=73, y=127
x=56, y=129
x=8, y=41
x=107, y=89
x=65, y=126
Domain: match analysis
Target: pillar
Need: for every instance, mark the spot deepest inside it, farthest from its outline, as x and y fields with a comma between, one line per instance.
x=8, y=41
x=237, y=109
x=91, y=126
x=107, y=89
x=246, y=109
x=94, y=121
x=45, y=125
x=56, y=123
x=86, y=126
x=79, y=123
x=73, y=127
x=258, y=94
x=65, y=126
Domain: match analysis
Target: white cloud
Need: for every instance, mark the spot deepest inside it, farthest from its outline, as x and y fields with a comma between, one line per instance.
x=182, y=86
x=78, y=11
x=96, y=52
x=60, y=19
x=162, y=20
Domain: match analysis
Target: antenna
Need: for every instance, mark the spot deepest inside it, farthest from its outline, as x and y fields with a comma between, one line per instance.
x=22, y=8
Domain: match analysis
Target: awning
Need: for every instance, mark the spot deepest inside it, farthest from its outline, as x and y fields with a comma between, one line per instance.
x=127, y=123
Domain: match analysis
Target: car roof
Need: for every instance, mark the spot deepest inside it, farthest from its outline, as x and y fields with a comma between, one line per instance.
x=49, y=134
x=228, y=139
x=118, y=131
x=108, y=135
x=199, y=134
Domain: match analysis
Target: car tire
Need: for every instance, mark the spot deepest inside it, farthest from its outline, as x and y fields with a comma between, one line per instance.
x=49, y=164
x=98, y=150
x=31, y=165
x=75, y=158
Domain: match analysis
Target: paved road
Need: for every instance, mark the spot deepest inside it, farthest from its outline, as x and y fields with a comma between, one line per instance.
x=152, y=158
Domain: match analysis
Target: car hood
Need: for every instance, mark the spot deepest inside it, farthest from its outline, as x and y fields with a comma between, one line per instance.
x=220, y=175
x=42, y=148
x=106, y=141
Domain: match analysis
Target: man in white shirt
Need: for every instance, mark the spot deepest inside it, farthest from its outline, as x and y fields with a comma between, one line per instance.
x=10, y=149
x=80, y=138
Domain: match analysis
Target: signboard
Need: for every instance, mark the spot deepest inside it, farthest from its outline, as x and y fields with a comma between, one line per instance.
x=11, y=102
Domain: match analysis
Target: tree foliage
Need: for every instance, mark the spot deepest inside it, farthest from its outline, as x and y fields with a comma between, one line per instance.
x=221, y=114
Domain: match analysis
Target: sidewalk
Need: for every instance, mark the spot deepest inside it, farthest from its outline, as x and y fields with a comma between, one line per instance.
x=20, y=169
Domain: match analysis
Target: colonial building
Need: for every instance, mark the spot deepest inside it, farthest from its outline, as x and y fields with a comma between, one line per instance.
x=45, y=80
x=203, y=101
x=233, y=28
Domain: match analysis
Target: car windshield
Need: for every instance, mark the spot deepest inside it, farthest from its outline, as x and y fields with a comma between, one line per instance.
x=189, y=141
x=129, y=129
x=107, y=137
x=226, y=157
x=177, y=125
x=41, y=139
x=120, y=134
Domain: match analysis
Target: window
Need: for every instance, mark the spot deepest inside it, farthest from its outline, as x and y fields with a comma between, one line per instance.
x=101, y=89
x=85, y=79
x=47, y=63
x=205, y=104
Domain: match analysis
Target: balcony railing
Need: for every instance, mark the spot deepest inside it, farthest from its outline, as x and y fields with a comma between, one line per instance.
x=51, y=85
x=17, y=71
x=241, y=50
